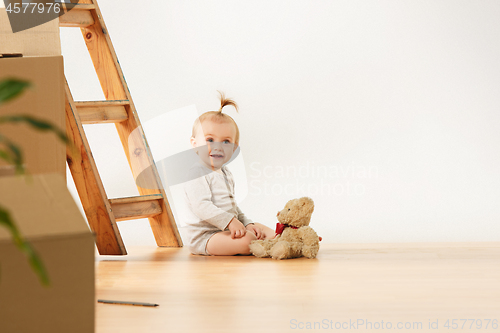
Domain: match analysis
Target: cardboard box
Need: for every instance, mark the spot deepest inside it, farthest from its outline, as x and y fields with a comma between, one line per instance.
x=42, y=40
x=44, y=152
x=48, y=217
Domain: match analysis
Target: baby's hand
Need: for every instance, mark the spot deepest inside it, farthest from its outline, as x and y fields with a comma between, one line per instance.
x=237, y=228
x=256, y=230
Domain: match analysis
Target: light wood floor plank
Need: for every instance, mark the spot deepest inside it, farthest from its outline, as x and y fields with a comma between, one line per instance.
x=397, y=283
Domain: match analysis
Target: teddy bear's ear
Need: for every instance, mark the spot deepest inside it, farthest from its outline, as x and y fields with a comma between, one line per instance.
x=306, y=201
x=307, y=205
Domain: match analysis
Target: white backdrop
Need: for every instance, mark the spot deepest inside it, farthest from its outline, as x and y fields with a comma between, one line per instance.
x=386, y=113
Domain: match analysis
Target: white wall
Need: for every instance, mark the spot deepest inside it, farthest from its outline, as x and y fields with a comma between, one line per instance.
x=386, y=113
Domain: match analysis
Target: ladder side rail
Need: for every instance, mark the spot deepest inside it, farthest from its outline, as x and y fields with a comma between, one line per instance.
x=115, y=88
x=89, y=185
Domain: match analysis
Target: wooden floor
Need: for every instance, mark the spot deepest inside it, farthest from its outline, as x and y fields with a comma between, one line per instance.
x=349, y=288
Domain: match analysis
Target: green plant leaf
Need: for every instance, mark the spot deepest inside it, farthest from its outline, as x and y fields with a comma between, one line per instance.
x=5, y=155
x=36, y=123
x=23, y=245
x=10, y=88
x=12, y=155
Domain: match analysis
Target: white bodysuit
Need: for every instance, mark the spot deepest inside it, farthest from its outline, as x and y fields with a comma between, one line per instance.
x=210, y=205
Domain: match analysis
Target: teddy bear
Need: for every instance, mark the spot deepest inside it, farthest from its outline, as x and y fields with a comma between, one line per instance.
x=294, y=237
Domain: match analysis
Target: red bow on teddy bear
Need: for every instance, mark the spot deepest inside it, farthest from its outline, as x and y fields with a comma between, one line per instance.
x=280, y=227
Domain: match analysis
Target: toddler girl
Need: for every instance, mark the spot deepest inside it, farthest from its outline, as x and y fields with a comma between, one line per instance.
x=216, y=225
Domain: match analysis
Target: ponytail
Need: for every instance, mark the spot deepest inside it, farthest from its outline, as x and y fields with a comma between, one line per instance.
x=226, y=101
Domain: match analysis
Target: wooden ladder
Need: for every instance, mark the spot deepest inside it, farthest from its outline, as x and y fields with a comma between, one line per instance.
x=103, y=213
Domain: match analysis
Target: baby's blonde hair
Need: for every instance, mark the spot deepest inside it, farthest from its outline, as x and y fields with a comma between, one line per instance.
x=219, y=117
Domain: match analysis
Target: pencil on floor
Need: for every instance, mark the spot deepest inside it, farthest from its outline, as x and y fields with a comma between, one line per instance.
x=126, y=303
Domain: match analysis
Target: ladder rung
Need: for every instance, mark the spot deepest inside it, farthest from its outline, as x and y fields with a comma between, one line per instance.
x=136, y=207
x=78, y=16
x=77, y=6
x=99, y=112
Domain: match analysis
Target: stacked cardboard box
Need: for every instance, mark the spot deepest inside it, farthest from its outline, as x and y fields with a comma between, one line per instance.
x=43, y=152
x=40, y=204
x=48, y=217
